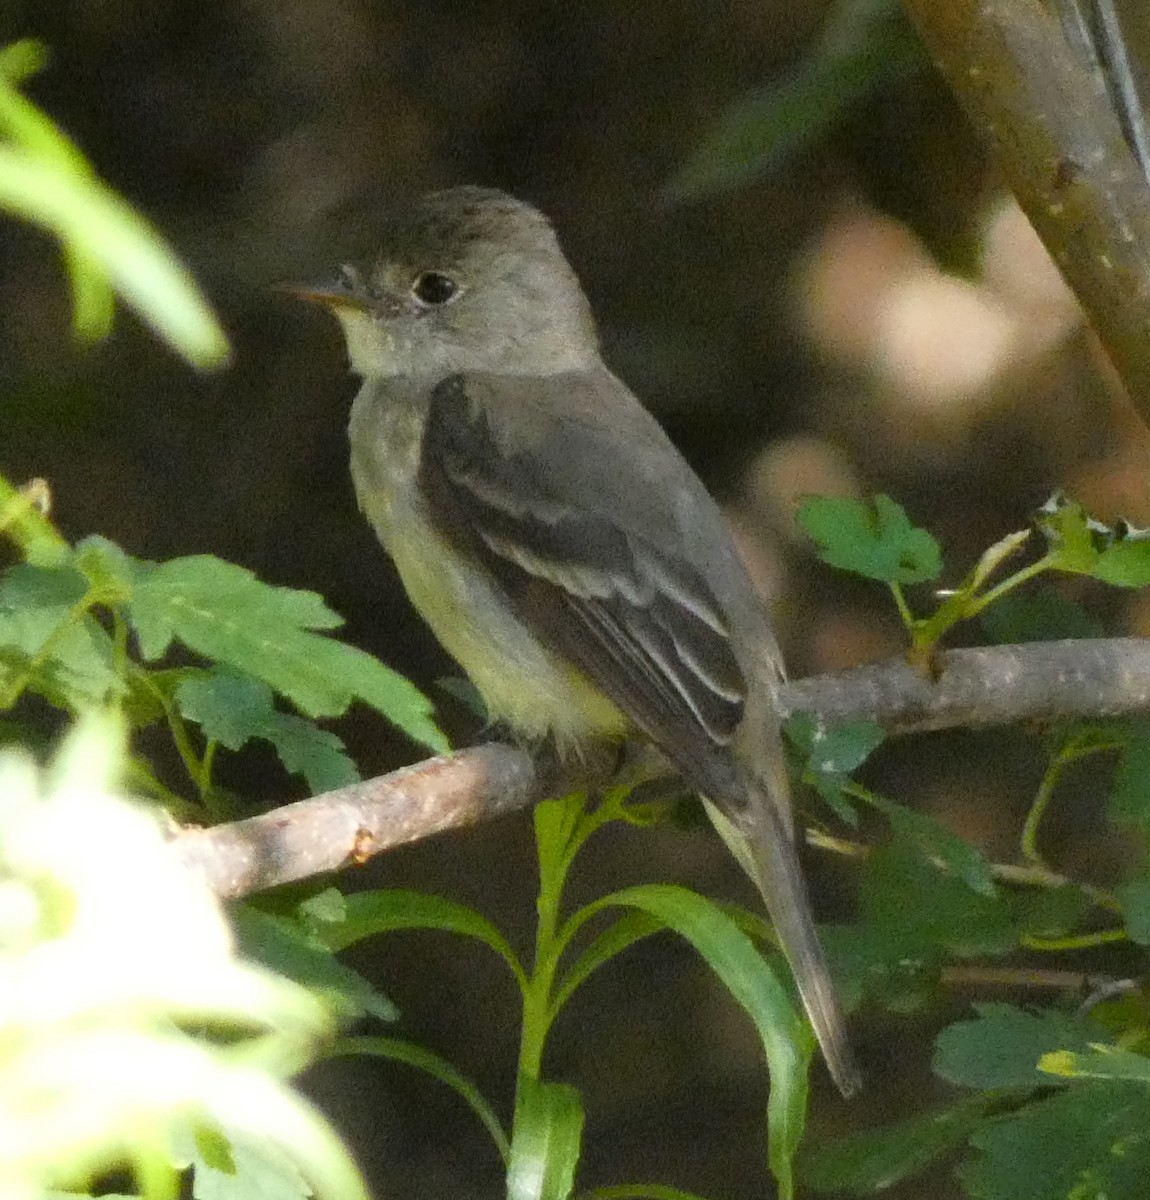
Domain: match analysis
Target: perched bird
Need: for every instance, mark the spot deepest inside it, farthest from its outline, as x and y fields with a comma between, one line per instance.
x=554, y=539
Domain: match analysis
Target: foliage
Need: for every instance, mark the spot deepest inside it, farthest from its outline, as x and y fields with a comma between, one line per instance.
x=91, y=628
x=165, y=1050
x=108, y=248
x=866, y=46
x=1055, y=1102
x=132, y=1030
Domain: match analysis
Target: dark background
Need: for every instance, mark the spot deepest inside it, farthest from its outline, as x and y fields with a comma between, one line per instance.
x=795, y=335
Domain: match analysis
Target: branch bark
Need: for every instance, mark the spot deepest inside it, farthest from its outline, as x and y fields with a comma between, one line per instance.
x=1060, y=146
x=1045, y=681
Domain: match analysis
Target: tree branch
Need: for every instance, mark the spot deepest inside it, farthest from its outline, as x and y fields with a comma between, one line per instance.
x=1044, y=681
x=1060, y=146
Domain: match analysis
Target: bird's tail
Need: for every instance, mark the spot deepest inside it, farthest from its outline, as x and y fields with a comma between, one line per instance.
x=763, y=845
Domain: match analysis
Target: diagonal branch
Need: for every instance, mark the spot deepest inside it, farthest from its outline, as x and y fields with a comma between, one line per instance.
x=1044, y=681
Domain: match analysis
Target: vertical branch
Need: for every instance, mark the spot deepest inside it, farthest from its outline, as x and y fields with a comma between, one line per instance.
x=1060, y=147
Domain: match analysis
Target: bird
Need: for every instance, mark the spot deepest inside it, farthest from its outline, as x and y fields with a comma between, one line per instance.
x=559, y=546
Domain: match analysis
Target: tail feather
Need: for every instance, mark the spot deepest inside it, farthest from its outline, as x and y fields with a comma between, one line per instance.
x=763, y=846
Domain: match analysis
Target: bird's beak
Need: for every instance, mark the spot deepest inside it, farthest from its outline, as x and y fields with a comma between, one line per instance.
x=330, y=298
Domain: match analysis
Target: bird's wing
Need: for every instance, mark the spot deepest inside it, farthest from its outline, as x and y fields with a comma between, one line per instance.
x=556, y=511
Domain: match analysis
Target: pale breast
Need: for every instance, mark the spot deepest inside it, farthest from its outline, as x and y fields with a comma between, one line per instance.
x=521, y=683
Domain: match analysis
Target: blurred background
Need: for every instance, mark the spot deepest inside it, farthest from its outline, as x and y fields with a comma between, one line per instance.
x=858, y=308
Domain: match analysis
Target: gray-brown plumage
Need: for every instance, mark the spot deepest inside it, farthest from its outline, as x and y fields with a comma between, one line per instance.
x=557, y=543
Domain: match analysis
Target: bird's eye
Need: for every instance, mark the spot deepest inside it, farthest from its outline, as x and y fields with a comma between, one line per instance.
x=433, y=287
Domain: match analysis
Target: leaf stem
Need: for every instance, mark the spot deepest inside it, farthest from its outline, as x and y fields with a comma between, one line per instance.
x=908, y=618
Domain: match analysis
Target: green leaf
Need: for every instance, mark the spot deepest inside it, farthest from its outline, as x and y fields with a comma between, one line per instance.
x=546, y=1143
x=1100, y=1062
x=937, y=842
x=1129, y=802
x=231, y=709
x=224, y=612
x=759, y=132
x=296, y=952
x=1002, y=1046
x=786, y=1038
x=917, y=911
x=878, y=543
x=43, y=631
x=1038, y=616
x=1071, y=534
x=833, y=755
x=1125, y=563
x=1088, y=1142
x=1135, y=900
x=438, y=1068
x=368, y=913
x=316, y=754
x=864, y=1163
x=1050, y=911
x=94, y=222
x=866, y=966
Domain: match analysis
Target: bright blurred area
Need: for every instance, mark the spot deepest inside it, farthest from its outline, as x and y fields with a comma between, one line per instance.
x=870, y=313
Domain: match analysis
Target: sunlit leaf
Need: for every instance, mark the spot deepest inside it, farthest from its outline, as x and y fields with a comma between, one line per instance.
x=546, y=1145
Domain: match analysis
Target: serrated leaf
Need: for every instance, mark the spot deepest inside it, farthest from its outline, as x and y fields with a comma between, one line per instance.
x=225, y=613
x=753, y=982
x=366, y=914
x=864, y=1163
x=878, y=543
x=295, y=952
x=206, y=597
x=69, y=657
x=1001, y=1047
x=1088, y=1142
x=231, y=709
x=866, y=965
x=109, y=569
x=546, y=1143
x=439, y=1068
x=950, y=851
x=316, y=754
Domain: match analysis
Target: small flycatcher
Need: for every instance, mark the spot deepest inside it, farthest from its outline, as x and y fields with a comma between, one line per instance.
x=553, y=538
